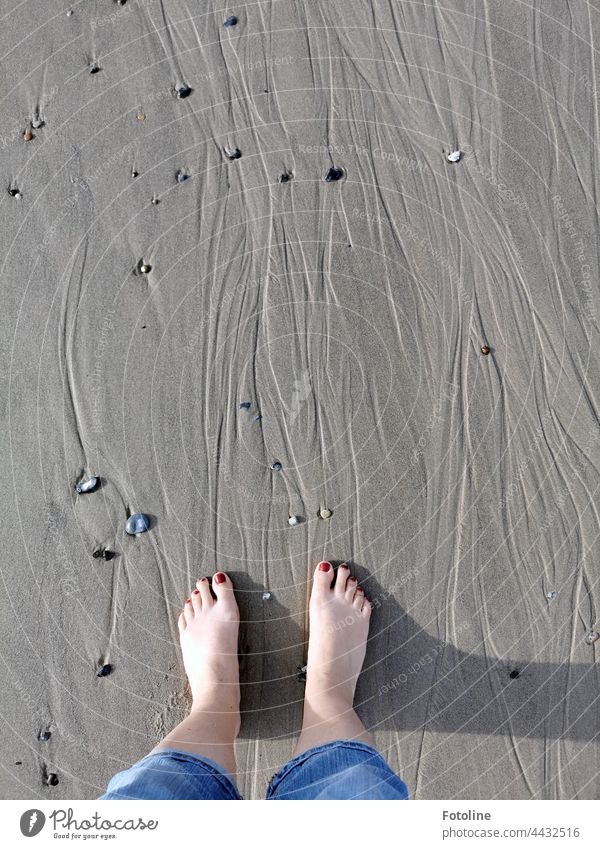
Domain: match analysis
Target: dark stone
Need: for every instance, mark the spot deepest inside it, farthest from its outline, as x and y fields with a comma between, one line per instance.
x=104, y=670
x=515, y=673
x=183, y=91
x=231, y=21
x=301, y=673
x=233, y=153
x=245, y=405
x=52, y=779
x=139, y=523
x=334, y=174
x=94, y=68
x=286, y=177
x=276, y=466
x=44, y=736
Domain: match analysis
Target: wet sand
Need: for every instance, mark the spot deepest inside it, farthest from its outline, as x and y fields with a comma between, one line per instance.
x=350, y=316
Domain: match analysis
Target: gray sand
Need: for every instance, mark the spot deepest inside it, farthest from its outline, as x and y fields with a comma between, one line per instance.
x=350, y=315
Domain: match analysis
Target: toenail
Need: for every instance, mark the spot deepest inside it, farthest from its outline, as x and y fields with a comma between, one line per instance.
x=196, y=592
x=351, y=578
x=188, y=601
x=202, y=580
x=359, y=590
x=324, y=567
x=220, y=578
x=343, y=566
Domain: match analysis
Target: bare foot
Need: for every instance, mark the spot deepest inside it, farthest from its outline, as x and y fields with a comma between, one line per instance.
x=208, y=631
x=339, y=626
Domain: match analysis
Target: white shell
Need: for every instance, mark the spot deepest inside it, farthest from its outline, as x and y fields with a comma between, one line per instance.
x=591, y=637
x=454, y=156
x=266, y=596
x=294, y=520
x=325, y=513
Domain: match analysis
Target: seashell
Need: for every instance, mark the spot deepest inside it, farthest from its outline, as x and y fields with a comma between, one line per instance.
x=231, y=21
x=485, y=350
x=27, y=135
x=93, y=68
x=233, y=153
x=551, y=595
x=44, y=736
x=325, y=513
x=454, y=156
x=137, y=524
x=334, y=174
x=181, y=176
x=89, y=485
x=104, y=670
x=266, y=596
x=591, y=637
x=275, y=466
x=140, y=116
x=144, y=267
x=294, y=520
x=245, y=405
x=134, y=173
x=183, y=91
x=37, y=122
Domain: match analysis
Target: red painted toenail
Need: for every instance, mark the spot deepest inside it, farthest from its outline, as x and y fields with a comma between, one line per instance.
x=188, y=601
x=324, y=567
x=351, y=578
x=359, y=590
x=196, y=592
x=220, y=578
x=344, y=566
x=202, y=580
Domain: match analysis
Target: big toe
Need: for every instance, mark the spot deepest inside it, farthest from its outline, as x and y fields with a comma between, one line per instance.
x=322, y=579
x=223, y=589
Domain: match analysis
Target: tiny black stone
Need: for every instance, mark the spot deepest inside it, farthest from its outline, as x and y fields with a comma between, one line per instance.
x=233, y=153
x=13, y=192
x=94, y=68
x=231, y=21
x=276, y=466
x=183, y=91
x=104, y=670
x=334, y=174
x=286, y=177
x=18, y=763
x=301, y=673
x=44, y=736
x=245, y=405
x=515, y=673
x=135, y=173
x=52, y=779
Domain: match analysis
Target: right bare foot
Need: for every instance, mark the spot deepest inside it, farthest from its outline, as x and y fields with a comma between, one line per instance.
x=339, y=626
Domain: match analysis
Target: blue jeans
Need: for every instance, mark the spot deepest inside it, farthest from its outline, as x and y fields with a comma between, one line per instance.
x=344, y=769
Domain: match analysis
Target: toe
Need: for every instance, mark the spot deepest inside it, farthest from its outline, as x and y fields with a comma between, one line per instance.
x=223, y=588
x=203, y=588
x=323, y=577
x=350, y=588
x=367, y=608
x=196, y=601
x=188, y=611
x=358, y=599
x=341, y=579
x=181, y=623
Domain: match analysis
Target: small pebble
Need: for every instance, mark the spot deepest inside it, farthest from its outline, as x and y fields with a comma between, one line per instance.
x=94, y=68
x=454, y=156
x=324, y=513
x=485, y=350
x=37, y=122
x=144, y=267
x=286, y=177
x=181, y=176
x=183, y=91
x=139, y=523
x=27, y=135
x=551, y=595
x=104, y=553
x=276, y=466
x=155, y=200
x=245, y=405
x=44, y=736
x=233, y=153
x=104, y=670
x=334, y=174
x=231, y=21
x=134, y=173
x=301, y=673
x=15, y=193
x=257, y=417
x=141, y=116
x=591, y=637
x=52, y=779
x=89, y=485
x=69, y=12
x=266, y=596
x=294, y=520
x=515, y=673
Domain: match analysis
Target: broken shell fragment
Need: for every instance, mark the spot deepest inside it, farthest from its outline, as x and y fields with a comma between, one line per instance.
x=266, y=596
x=89, y=485
x=294, y=520
x=591, y=637
x=137, y=524
x=454, y=156
x=231, y=21
x=134, y=173
x=551, y=595
x=37, y=122
x=141, y=116
x=275, y=466
x=93, y=68
x=144, y=267
x=181, y=176
x=183, y=91
x=325, y=513
x=233, y=153
x=15, y=193
x=334, y=174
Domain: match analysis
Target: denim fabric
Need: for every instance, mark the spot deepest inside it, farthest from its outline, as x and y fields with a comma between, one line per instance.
x=171, y=774
x=343, y=769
